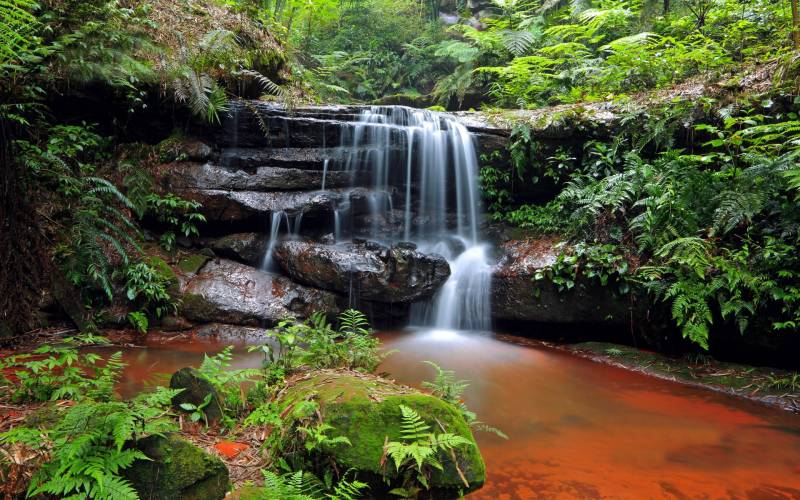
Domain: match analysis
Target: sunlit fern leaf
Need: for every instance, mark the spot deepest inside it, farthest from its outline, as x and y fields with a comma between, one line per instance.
x=353, y=322
x=17, y=24
x=412, y=427
x=518, y=42
x=621, y=44
x=737, y=207
x=459, y=51
x=347, y=489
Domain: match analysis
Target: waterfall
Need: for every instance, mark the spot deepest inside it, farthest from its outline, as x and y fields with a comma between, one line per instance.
x=325, y=172
x=433, y=157
x=277, y=218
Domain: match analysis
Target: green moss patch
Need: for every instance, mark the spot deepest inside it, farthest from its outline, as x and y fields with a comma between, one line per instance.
x=192, y=263
x=177, y=469
x=366, y=410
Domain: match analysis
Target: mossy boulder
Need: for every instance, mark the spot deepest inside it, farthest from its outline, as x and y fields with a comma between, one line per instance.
x=366, y=410
x=178, y=470
x=195, y=390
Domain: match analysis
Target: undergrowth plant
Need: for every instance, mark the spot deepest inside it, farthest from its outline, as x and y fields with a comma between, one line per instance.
x=419, y=452
x=63, y=372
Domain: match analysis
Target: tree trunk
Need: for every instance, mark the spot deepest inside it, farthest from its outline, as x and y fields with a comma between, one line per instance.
x=795, y=25
x=666, y=7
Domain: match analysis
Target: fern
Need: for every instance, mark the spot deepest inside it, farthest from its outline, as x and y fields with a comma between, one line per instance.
x=418, y=450
x=17, y=25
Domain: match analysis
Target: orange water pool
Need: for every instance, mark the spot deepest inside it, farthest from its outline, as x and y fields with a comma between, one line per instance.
x=577, y=429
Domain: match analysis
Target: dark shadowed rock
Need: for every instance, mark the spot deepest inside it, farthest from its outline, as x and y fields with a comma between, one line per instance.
x=208, y=176
x=229, y=292
x=244, y=247
x=195, y=389
x=177, y=470
x=516, y=296
x=377, y=273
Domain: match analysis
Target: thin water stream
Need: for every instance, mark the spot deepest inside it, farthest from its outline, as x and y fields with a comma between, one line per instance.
x=577, y=429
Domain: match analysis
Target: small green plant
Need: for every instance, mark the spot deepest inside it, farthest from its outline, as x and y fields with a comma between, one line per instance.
x=447, y=387
x=302, y=485
x=177, y=214
x=417, y=452
x=789, y=382
x=148, y=289
x=316, y=438
x=316, y=343
x=139, y=321
x=196, y=412
x=614, y=351
x=228, y=382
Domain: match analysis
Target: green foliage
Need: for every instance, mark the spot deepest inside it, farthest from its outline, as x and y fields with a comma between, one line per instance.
x=196, y=412
x=147, y=288
x=228, y=382
x=418, y=452
x=445, y=386
x=16, y=26
x=176, y=214
x=89, y=445
x=708, y=233
x=317, y=344
x=53, y=373
x=578, y=51
x=303, y=485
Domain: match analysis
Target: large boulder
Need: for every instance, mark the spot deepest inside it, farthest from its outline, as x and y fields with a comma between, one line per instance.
x=177, y=470
x=366, y=410
x=229, y=292
x=195, y=389
x=518, y=296
x=373, y=272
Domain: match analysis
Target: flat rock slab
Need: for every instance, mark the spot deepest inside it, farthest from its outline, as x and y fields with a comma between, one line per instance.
x=208, y=176
x=235, y=206
x=371, y=271
x=229, y=292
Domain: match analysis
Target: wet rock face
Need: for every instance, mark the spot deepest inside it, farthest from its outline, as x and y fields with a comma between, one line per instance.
x=222, y=206
x=517, y=296
x=244, y=247
x=265, y=178
x=373, y=272
x=228, y=292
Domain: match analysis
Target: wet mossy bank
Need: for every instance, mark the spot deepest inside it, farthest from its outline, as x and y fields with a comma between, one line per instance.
x=778, y=388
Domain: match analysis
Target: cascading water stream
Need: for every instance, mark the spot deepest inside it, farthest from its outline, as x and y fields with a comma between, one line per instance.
x=441, y=203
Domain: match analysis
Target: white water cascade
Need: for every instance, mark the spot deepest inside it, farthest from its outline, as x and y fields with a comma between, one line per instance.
x=433, y=158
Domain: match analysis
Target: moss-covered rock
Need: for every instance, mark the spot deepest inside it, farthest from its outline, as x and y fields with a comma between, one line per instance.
x=196, y=389
x=366, y=410
x=192, y=263
x=178, y=470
